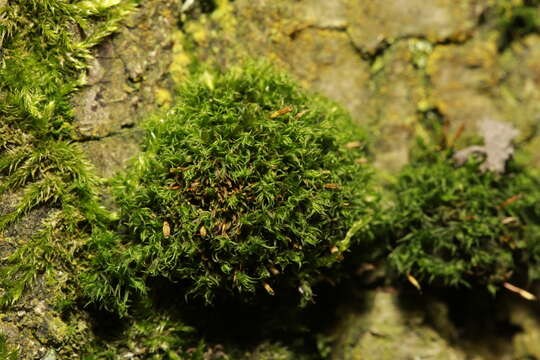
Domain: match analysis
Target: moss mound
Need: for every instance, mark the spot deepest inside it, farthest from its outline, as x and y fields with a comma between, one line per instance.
x=457, y=225
x=247, y=185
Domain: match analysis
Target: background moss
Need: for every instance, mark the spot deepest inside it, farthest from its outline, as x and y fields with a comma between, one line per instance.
x=458, y=225
x=45, y=51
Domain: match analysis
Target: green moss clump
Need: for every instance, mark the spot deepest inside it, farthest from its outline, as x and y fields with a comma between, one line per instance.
x=456, y=225
x=247, y=185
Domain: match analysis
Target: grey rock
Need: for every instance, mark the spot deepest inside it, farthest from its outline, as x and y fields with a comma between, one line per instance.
x=384, y=330
x=51, y=355
x=127, y=71
x=372, y=24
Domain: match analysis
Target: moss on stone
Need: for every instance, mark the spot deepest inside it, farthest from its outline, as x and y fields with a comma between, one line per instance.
x=458, y=225
x=246, y=185
x=44, y=175
x=43, y=64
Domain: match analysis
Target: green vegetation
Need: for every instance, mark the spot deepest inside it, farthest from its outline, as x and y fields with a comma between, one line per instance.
x=45, y=51
x=154, y=337
x=456, y=225
x=247, y=185
x=5, y=352
x=516, y=19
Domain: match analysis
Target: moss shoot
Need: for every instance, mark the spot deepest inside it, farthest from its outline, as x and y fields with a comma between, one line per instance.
x=248, y=185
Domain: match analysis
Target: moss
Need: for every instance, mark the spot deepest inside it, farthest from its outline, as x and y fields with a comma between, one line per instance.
x=290, y=199
x=6, y=353
x=516, y=19
x=458, y=226
x=151, y=336
x=247, y=185
x=46, y=47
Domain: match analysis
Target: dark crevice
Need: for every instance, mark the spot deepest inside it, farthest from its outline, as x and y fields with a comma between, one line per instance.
x=106, y=325
x=194, y=10
x=381, y=49
x=245, y=324
x=207, y=6
x=296, y=32
x=124, y=129
x=524, y=21
x=127, y=126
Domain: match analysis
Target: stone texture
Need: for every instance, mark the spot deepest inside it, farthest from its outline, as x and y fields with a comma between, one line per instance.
x=372, y=25
x=525, y=315
x=127, y=71
x=110, y=154
x=382, y=328
x=395, y=92
x=323, y=14
x=519, y=93
x=464, y=80
x=326, y=63
x=307, y=39
x=33, y=323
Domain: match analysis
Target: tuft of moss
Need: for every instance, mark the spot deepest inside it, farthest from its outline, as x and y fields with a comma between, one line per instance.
x=247, y=185
x=457, y=225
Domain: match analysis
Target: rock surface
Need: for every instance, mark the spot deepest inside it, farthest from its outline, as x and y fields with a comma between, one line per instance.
x=526, y=343
x=127, y=71
x=372, y=25
x=384, y=329
x=128, y=78
x=33, y=324
x=399, y=67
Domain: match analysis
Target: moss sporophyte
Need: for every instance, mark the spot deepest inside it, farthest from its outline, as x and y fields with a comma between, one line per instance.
x=247, y=185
